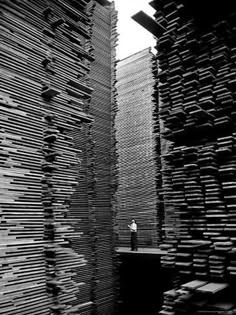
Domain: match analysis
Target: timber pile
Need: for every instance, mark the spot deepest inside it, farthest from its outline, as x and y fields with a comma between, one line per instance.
x=45, y=96
x=138, y=139
x=196, y=78
x=199, y=297
x=103, y=166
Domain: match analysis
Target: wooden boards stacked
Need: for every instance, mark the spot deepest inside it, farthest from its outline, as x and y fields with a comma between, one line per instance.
x=196, y=84
x=102, y=167
x=199, y=297
x=45, y=96
x=137, y=142
x=92, y=202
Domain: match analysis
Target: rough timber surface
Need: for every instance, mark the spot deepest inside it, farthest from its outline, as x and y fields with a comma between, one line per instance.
x=196, y=79
x=47, y=260
x=137, y=140
x=103, y=168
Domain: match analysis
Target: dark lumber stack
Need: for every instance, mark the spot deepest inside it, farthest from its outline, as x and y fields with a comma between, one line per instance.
x=199, y=297
x=197, y=107
x=102, y=167
x=47, y=148
x=137, y=142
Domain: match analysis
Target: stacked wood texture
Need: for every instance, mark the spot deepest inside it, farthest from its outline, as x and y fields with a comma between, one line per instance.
x=197, y=97
x=103, y=106
x=199, y=297
x=92, y=202
x=138, y=139
x=47, y=257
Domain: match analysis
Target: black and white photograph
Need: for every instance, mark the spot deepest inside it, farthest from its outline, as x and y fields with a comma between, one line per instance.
x=117, y=157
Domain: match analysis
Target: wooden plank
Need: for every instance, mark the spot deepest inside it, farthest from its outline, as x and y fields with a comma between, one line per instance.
x=212, y=288
x=45, y=50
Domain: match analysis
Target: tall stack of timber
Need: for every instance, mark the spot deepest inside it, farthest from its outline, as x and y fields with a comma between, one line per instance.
x=49, y=262
x=103, y=106
x=196, y=53
x=137, y=145
x=92, y=202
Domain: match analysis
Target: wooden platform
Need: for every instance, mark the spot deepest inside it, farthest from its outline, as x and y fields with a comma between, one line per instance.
x=140, y=251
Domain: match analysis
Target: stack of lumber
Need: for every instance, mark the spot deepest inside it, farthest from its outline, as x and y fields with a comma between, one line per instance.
x=47, y=257
x=196, y=79
x=137, y=147
x=103, y=165
x=199, y=297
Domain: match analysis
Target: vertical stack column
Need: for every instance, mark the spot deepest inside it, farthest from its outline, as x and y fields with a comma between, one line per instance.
x=196, y=78
x=138, y=150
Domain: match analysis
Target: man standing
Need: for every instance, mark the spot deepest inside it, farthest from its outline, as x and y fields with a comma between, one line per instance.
x=133, y=229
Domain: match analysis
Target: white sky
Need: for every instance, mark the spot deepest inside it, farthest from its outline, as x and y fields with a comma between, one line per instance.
x=132, y=36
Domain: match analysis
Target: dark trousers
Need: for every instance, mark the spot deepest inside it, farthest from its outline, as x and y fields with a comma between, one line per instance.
x=134, y=241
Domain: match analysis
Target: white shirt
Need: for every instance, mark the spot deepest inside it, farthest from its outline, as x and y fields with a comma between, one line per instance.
x=133, y=227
